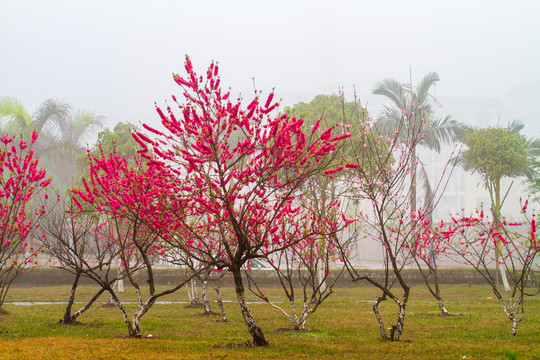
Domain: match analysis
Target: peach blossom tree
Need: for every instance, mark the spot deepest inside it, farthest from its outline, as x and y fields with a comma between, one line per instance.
x=237, y=172
x=22, y=196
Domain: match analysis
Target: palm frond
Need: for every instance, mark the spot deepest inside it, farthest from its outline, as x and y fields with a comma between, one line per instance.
x=71, y=132
x=51, y=115
x=83, y=124
x=392, y=90
x=387, y=121
x=422, y=90
x=533, y=146
x=440, y=132
x=533, y=152
x=462, y=162
x=14, y=114
x=468, y=127
x=515, y=126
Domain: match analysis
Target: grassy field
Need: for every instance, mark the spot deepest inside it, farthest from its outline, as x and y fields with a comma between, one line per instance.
x=342, y=328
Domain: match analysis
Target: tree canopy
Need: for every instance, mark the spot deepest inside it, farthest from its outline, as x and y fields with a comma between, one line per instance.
x=331, y=109
x=495, y=153
x=119, y=139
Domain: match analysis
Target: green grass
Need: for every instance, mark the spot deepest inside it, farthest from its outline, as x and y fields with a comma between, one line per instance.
x=343, y=328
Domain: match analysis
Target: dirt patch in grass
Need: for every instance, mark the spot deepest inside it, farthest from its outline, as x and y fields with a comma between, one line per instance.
x=3, y=312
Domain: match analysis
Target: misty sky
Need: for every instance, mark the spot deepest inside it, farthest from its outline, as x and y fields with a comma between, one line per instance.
x=115, y=58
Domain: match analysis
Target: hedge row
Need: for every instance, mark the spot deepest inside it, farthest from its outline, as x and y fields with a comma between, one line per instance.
x=53, y=276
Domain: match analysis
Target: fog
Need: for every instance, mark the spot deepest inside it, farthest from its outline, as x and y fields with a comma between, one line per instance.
x=116, y=58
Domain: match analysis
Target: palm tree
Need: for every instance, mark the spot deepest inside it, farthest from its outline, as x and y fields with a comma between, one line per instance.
x=68, y=141
x=62, y=134
x=533, y=182
x=418, y=101
x=17, y=119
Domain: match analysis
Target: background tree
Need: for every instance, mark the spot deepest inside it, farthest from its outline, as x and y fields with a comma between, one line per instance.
x=425, y=255
x=329, y=109
x=494, y=153
x=209, y=277
x=17, y=120
x=118, y=139
x=475, y=239
x=534, y=182
x=63, y=134
x=418, y=104
x=69, y=140
x=22, y=187
x=80, y=244
x=378, y=176
x=533, y=165
x=132, y=197
x=304, y=269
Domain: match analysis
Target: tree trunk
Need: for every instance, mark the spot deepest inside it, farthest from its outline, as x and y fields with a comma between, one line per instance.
x=497, y=272
x=189, y=294
x=120, y=285
x=434, y=290
x=321, y=280
x=379, y=318
x=253, y=328
x=135, y=330
x=496, y=210
x=206, y=303
x=441, y=306
x=195, y=292
x=220, y=304
x=131, y=328
x=136, y=324
x=84, y=308
x=398, y=329
x=438, y=291
x=192, y=293
x=515, y=322
x=111, y=301
x=67, y=313
x=3, y=292
x=504, y=278
x=302, y=321
x=512, y=312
